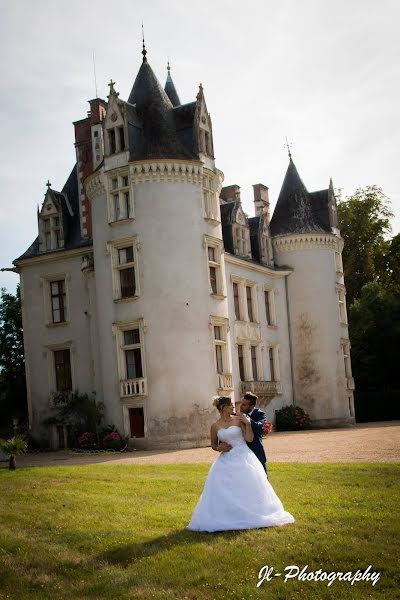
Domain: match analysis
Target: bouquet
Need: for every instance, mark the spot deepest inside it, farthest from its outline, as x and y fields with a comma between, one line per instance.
x=267, y=428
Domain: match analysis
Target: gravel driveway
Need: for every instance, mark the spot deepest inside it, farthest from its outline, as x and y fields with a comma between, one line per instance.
x=366, y=442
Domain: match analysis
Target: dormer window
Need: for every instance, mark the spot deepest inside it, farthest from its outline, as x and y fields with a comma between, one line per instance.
x=51, y=233
x=242, y=240
x=116, y=140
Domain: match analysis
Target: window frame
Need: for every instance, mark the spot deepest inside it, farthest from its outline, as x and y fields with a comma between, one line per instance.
x=118, y=330
x=112, y=248
x=217, y=245
x=211, y=206
x=45, y=282
x=272, y=306
x=342, y=308
x=116, y=197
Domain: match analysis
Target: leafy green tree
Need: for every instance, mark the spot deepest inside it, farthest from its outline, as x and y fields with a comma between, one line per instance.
x=390, y=266
x=374, y=327
x=364, y=222
x=12, y=365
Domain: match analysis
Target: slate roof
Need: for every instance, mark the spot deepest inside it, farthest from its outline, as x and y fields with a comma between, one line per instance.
x=152, y=130
x=298, y=211
x=170, y=90
x=254, y=226
x=228, y=211
x=68, y=201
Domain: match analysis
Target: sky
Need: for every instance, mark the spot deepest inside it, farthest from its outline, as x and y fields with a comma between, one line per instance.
x=322, y=73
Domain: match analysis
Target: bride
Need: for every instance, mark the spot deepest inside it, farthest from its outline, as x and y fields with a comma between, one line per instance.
x=237, y=493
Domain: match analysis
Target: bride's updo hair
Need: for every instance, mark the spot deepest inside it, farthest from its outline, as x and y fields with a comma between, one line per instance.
x=220, y=401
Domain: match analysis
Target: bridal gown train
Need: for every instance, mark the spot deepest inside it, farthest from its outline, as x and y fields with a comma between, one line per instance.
x=237, y=493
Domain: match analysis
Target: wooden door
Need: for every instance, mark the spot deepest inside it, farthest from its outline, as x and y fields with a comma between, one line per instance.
x=136, y=419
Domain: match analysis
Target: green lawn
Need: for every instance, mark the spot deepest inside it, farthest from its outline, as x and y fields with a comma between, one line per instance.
x=118, y=531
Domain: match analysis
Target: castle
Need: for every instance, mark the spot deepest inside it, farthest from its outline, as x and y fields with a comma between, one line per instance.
x=148, y=283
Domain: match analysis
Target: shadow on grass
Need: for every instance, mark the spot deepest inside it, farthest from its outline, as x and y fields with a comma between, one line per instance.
x=128, y=554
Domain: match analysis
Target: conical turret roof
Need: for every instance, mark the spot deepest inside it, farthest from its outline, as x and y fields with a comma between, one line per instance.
x=170, y=89
x=293, y=211
x=157, y=136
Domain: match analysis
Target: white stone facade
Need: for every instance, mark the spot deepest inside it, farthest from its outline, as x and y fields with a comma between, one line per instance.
x=158, y=316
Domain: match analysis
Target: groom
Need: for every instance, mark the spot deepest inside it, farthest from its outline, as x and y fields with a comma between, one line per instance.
x=257, y=419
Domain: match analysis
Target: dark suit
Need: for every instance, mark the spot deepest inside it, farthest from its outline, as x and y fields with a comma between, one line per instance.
x=257, y=419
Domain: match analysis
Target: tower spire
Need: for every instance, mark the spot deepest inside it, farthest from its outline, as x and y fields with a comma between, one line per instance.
x=144, y=51
x=288, y=146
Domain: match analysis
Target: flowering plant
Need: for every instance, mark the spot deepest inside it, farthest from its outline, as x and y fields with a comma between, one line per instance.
x=113, y=436
x=292, y=418
x=86, y=439
x=267, y=428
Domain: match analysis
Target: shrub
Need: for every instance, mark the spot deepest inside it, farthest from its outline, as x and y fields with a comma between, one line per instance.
x=13, y=446
x=292, y=418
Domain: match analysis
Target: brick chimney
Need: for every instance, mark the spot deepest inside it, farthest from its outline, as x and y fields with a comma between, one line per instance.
x=261, y=200
x=89, y=153
x=230, y=192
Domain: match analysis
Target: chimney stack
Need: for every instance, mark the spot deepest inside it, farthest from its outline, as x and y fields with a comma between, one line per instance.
x=230, y=193
x=261, y=200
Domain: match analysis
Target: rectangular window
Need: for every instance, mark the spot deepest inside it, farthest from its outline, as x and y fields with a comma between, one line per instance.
x=121, y=135
x=241, y=363
x=236, y=301
x=46, y=223
x=131, y=336
x=62, y=365
x=213, y=280
x=254, y=362
x=249, y=303
x=125, y=255
x=48, y=240
x=127, y=272
x=267, y=307
x=213, y=247
x=217, y=332
x=117, y=210
x=114, y=183
x=342, y=306
x=126, y=204
x=125, y=181
x=111, y=139
x=271, y=363
x=133, y=354
x=218, y=355
x=133, y=363
x=57, y=293
x=128, y=282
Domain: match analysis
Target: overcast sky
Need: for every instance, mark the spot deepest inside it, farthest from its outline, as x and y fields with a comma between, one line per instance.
x=324, y=73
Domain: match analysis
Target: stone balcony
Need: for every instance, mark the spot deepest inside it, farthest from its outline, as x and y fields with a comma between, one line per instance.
x=133, y=387
x=224, y=382
x=265, y=390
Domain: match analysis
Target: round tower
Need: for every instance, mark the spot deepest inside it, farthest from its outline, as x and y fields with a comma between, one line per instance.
x=306, y=239
x=159, y=267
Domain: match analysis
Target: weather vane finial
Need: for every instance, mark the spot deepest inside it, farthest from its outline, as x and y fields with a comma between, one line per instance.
x=144, y=51
x=168, y=66
x=289, y=147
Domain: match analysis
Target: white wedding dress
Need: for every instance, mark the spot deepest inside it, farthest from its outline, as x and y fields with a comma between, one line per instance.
x=237, y=493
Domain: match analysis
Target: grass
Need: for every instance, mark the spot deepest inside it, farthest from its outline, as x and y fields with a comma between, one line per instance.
x=119, y=531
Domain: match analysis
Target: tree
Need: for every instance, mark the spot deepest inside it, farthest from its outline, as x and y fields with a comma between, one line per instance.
x=374, y=328
x=12, y=365
x=364, y=222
